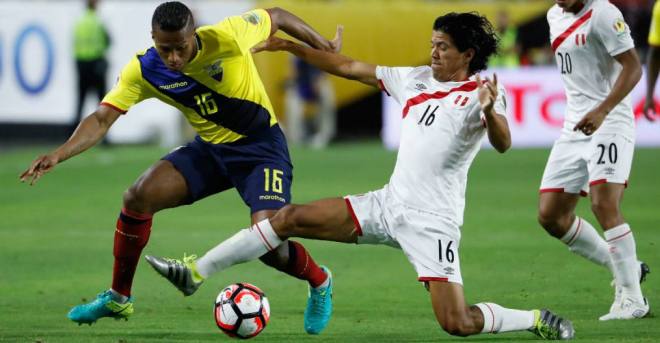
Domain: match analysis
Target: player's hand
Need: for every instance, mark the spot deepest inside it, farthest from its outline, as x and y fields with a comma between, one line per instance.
x=487, y=93
x=336, y=43
x=591, y=122
x=649, y=109
x=271, y=44
x=42, y=165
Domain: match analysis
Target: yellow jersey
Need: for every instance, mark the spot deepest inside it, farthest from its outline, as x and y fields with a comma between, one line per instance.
x=654, y=32
x=219, y=91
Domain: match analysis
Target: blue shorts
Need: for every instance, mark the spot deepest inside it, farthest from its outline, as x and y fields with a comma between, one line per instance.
x=258, y=166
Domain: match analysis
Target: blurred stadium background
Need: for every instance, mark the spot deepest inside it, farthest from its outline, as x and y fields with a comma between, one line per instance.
x=38, y=85
x=56, y=238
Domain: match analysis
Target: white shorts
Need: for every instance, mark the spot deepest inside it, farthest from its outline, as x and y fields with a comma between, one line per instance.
x=576, y=164
x=430, y=241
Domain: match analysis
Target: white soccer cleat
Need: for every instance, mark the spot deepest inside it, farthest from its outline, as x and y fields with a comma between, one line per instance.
x=618, y=290
x=627, y=309
x=643, y=271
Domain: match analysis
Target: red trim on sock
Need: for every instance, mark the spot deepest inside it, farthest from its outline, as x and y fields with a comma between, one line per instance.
x=577, y=230
x=492, y=315
x=619, y=236
x=355, y=220
x=270, y=247
x=130, y=238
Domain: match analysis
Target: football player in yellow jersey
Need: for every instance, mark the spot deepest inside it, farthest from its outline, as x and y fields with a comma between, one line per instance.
x=209, y=75
x=653, y=63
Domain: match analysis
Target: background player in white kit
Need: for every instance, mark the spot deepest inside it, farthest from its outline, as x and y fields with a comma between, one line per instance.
x=596, y=57
x=447, y=111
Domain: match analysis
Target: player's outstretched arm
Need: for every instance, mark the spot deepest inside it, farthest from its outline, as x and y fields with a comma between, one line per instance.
x=90, y=131
x=628, y=78
x=652, y=70
x=332, y=63
x=286, y=21
x=496, y=124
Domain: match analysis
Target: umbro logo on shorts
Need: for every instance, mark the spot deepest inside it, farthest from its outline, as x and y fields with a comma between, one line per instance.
x=610, y=171
x=449, y=270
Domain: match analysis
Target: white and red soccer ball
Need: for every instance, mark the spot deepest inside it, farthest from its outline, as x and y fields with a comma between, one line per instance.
x=241, y=310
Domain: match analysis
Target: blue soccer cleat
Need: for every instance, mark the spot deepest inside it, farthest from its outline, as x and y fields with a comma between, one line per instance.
x=102, y=306
x=319, y=307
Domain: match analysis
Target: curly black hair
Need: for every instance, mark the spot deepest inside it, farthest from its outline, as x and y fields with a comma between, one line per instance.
x=470, y=30
x=172, y=16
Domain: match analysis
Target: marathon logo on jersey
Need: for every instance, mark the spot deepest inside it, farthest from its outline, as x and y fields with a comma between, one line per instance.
x=272, y=197
x=174, y=85
x=215, y=70
x=461, y=100
x=420, y=87
x=251, y=18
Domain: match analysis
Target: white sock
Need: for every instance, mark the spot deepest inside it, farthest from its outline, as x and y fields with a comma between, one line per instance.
x=500, y=319
x=246, y=245
x=624, y=260
x=585, y=241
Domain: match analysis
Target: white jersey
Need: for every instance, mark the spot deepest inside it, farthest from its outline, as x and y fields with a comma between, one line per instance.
x=584, y=44
x=441, y=133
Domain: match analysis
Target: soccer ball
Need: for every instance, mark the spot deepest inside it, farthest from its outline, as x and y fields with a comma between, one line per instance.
x=241, y=310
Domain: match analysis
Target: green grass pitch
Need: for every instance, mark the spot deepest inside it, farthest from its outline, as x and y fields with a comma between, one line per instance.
x=56, y=249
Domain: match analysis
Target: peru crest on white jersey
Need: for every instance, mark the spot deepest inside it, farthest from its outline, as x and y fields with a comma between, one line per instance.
x=584, y=44
x=441, y=133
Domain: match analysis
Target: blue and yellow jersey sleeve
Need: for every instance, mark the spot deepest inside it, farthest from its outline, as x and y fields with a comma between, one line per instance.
x=219, y=91
x=654, y=32
x=128, y=89
x=247, y=29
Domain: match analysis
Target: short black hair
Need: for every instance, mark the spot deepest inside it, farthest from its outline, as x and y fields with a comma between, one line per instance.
x=172, y=16
x=470, y=30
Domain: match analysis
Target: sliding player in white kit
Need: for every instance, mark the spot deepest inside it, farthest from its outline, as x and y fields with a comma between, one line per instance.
x=597, y=59
x=447, y=111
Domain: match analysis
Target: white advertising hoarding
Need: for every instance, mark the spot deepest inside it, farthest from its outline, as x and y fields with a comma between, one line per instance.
x=37, y=69
x=535, y=111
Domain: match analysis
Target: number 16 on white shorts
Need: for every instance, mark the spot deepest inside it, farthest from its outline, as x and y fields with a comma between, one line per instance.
x=429, y=241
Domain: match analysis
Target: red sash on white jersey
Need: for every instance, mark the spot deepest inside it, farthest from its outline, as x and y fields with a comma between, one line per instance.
x=562, y=37
x=466, y=87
